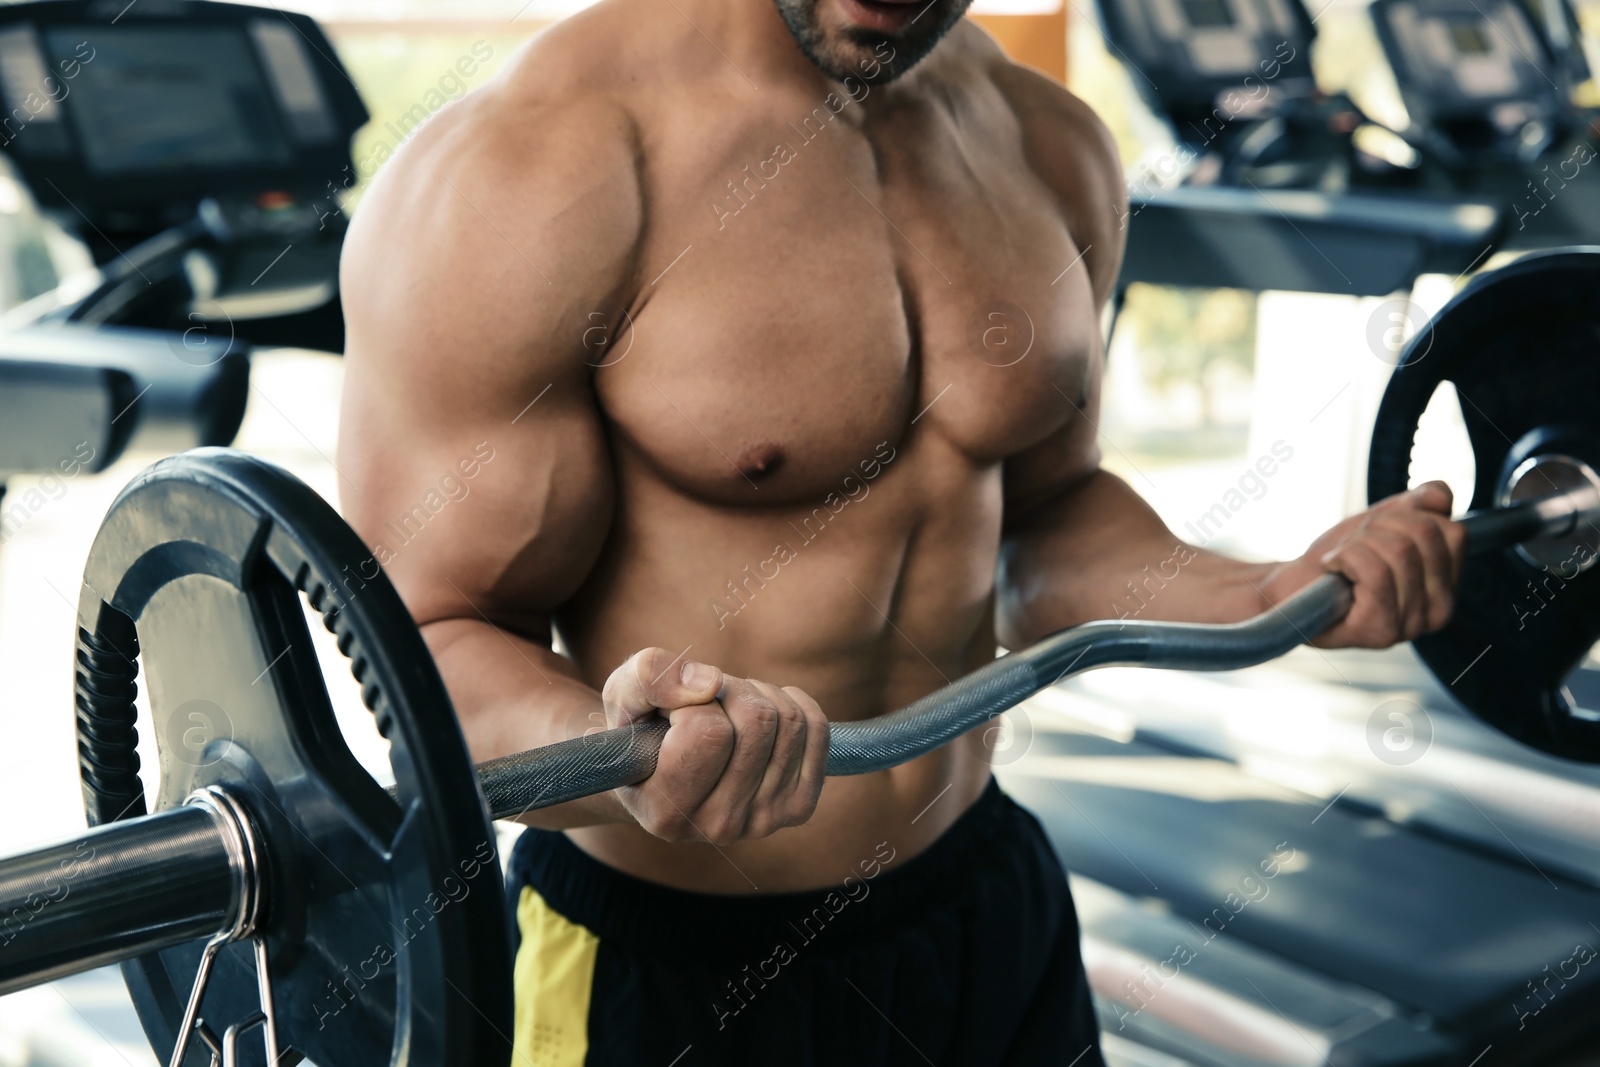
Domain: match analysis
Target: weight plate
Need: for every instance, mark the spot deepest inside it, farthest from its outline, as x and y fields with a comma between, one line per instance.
x=1522, y=347
x=386, y=927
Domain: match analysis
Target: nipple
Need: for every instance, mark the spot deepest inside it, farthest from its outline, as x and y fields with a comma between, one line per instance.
x=760, y=460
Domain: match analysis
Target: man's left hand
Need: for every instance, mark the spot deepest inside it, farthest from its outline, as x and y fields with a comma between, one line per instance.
x=1403, y=556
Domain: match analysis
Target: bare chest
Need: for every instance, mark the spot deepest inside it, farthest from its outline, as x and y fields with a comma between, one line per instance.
x=827, y=282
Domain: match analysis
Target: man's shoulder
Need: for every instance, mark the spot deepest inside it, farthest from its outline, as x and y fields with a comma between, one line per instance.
x=601, y=52
x=1050, y=116
x=563, y=82
x=566, y=93
x=549, y=125
x=538, y=166
x=1066, y=144
x=1040, y=103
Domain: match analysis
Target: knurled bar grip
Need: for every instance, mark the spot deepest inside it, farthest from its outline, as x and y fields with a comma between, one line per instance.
x=579, y=767
x=604, y=760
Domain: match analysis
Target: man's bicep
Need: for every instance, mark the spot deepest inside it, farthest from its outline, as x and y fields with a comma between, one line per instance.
x=1068, y=455
x=475, y=458
x=1050, y=469
x=495, y=510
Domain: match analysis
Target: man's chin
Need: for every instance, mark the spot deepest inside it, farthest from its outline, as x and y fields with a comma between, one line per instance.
x=860, y=56
x=872, y=40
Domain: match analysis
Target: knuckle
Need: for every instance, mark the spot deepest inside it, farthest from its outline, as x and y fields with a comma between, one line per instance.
x=791, y=716
x=805, y=805
x=799, y=812
x=1399, y=536
x=628, y=672
x=1415, y=526
x=1382, y=544
x=647, y=662
x=1356, y=552
x=723, y=831
x=816, y=720
x=669, y=826
x=1382, y=578
x=758, y=712
x=712, y=729
x=801, y=697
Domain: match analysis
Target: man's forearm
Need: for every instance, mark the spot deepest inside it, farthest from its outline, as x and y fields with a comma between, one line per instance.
x=512, y=694
x=1099, y=551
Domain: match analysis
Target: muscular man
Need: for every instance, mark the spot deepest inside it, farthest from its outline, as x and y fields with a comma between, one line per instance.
x=686, y=313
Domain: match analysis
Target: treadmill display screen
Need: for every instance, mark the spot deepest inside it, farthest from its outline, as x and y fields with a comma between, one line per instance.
x=155, y=100
x=1206, y=14
x=1469, y=38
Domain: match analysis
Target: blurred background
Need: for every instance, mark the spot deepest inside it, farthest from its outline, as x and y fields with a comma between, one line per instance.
x=1202, y=381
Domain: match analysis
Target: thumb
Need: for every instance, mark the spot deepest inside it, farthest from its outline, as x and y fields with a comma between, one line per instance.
x=1435, y=496
x=654, y=679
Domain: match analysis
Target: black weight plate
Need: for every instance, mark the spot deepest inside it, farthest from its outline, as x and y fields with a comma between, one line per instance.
x=387, y=931
x=1522, y=347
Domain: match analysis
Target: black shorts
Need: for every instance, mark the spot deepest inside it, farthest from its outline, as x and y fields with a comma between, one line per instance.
x=966, y=956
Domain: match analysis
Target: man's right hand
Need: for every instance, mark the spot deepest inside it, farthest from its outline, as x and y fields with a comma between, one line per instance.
x=742, y=758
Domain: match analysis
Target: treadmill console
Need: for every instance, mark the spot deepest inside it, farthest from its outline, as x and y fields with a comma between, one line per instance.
x=1209, y=62
x=1478, y=72
x=1558, y=22
x=197, y=149
x=130, y=115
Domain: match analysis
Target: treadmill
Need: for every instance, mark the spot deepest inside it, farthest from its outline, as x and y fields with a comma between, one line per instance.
x=1488, y=86
x=1266, y=186
x=1231, y=77
x=197, y=149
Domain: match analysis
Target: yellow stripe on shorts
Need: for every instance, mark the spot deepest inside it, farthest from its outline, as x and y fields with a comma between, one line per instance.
x=553, y=979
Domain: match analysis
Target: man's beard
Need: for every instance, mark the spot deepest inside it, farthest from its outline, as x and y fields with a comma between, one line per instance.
x=861, y=53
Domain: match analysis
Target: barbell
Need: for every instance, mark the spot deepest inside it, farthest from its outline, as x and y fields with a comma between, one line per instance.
x=271, y=883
